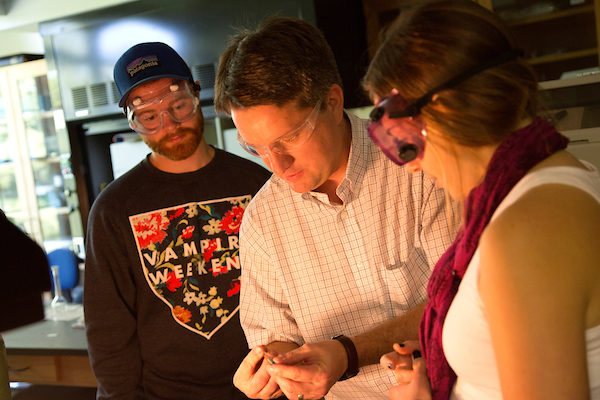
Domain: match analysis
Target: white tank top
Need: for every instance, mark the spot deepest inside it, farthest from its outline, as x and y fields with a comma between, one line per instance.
x=466, y=334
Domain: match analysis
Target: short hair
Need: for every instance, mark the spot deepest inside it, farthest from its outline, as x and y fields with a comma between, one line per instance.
x=432, y=43
x=283, y=60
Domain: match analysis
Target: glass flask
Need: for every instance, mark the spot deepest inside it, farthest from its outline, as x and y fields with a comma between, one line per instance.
x=59, y=302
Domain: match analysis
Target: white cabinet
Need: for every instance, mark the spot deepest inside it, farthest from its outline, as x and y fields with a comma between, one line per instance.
x=37, y=190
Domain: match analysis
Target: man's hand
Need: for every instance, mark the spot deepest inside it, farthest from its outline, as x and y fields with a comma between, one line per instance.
x=310, y=370
x=252, y=377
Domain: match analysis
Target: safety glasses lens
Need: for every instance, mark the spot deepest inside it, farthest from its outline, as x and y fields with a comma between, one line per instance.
x=147, y=119
x=400, y=139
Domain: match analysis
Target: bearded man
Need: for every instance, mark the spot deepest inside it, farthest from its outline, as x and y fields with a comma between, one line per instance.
x=162, y=265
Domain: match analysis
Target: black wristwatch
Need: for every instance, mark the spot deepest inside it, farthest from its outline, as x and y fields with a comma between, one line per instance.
x=352, y=369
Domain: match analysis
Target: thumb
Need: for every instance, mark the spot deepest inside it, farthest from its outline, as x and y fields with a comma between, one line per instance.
x=419, y=366
x=420, y=383
x=419, y=363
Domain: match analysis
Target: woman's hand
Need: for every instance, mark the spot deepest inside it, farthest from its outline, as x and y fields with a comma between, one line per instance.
x=410, y=372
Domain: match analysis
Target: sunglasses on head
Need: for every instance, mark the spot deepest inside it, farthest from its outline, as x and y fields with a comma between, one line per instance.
x=398, y=128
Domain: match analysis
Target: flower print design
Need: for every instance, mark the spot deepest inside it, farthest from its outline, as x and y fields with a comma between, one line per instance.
x=150, y=229
x=190, y=260
x=201, y=298
x=241, y=201
x=172, y=282
x=198, y=298
x=173, y=214
x=192, y=211
x=232, y=220
x=182, y=314
x=213, y=227
x=187, y=232
x=216, y=303
x=210, y=249
x=234, y=288
x=219, y=268
x=209, y=305
x=190, y=297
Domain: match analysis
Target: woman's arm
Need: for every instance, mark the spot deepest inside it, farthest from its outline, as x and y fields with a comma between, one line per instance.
x=539, y=284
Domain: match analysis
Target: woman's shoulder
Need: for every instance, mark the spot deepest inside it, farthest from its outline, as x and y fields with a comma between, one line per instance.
x=547, y=238
x=561, y=158
x=558, y=190
x=549, y=212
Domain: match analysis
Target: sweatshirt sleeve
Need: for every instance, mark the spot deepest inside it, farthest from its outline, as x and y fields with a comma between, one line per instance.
x=110, y=303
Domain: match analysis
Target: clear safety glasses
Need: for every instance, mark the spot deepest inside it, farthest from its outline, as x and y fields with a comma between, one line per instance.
x=288, y=141
x=147, y=118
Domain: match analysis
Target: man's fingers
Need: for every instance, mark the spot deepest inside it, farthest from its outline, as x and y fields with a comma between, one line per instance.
x=249, y=365
x=270, y=390
x=297, y=373
x=293, y=357
x=292, y=388
x=252, y=379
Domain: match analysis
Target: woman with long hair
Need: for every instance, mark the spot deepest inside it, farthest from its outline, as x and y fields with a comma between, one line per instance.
x=514, y=304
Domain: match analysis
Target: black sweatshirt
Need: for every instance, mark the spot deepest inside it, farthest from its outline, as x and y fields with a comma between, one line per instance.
x=162, y=281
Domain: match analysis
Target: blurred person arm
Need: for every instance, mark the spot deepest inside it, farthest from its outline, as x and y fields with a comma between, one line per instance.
x=22, y=288
x=110, y=308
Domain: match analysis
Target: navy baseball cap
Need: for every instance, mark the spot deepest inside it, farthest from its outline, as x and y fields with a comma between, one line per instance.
x=146, y=62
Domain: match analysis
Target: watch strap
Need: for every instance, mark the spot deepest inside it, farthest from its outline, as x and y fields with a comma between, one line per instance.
x=352, y=369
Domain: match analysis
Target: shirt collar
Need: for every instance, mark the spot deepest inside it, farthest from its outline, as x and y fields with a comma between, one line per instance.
x=350, y=186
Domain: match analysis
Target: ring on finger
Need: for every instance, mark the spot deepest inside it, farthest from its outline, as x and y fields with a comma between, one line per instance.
x=300, y=397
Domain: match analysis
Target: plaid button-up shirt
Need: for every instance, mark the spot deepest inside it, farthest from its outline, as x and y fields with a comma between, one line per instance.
x=312, y=269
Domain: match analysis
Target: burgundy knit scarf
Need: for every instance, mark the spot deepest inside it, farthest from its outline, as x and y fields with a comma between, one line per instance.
x=516, y=155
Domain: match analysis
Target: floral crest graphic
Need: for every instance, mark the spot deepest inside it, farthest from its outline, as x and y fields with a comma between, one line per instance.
x=190, y=257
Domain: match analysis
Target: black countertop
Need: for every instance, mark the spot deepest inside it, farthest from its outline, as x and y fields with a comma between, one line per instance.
x=46, y=338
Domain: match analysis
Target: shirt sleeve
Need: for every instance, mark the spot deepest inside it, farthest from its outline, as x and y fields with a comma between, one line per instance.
x=265, y=313
x=110, y=301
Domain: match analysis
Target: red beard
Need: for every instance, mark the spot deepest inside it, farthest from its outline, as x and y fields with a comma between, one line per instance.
x=190, y=139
